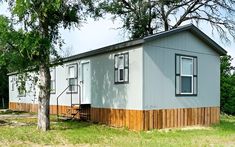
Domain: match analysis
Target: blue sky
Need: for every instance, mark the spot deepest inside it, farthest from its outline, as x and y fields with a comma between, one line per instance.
x=95, y=34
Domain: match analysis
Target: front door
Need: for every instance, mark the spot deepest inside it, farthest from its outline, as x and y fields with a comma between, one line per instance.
x=86, y=83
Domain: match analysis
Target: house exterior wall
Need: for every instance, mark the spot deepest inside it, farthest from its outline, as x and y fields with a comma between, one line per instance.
x=104, y=93
x=159, y=73
x=31, y=95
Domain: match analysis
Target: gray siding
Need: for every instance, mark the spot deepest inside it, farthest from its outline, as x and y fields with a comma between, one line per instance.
x=159, y=73
x=106, y=94
x=32, y=93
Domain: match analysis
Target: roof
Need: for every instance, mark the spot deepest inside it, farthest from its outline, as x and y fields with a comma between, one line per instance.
x=190, y=27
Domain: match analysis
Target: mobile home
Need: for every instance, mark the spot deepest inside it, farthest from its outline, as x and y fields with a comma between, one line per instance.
x=170, y=79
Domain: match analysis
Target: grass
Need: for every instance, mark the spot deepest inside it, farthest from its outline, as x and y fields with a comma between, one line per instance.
x=86, y=134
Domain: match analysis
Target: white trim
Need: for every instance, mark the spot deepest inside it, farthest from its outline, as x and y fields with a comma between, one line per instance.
x=81, y=69
x=53, y=81
x=82, y=100
x=185, y=75
x=75, y=66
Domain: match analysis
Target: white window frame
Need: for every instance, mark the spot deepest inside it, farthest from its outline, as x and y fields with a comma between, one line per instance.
x=13, y=83
x=75, y=65
x=124, y=68
x=121, y=68
x=53, y=71
x=23, y=92
x=185, y=75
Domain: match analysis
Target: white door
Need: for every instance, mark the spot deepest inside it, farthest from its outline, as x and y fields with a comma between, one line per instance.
x=86, y=83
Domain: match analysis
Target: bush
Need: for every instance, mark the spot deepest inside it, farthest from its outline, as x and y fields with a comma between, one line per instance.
x=227, y=85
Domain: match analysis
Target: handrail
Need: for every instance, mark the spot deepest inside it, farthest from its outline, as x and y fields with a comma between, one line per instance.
x=57, y=99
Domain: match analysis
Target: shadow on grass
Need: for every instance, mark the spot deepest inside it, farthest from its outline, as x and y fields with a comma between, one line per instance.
x=70, y=125
x=2, y=122
x=12, y=112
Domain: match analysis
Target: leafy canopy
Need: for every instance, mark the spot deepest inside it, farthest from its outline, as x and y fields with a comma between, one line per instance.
x=37, y=37
x=145, y=17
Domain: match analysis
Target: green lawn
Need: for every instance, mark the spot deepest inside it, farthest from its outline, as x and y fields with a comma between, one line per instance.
x=86, y=134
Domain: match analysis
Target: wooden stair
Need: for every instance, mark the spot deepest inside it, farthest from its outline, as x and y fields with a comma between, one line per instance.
x=80, y=112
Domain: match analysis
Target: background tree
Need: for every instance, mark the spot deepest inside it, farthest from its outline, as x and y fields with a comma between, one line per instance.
x=227, y=85
x=33, y=45
x=3, y=86
x=145, y=17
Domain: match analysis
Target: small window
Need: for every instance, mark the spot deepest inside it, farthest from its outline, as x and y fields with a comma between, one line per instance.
x=13, y=80
x=53, y=80
x=72, y=78
x=72, y=83
x=186, y=75
x=121, y=68
x=21, y=89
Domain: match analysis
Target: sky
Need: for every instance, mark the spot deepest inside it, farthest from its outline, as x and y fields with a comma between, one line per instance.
x=95, y=34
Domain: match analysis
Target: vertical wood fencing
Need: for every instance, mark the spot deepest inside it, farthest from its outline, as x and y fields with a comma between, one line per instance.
x=156, y=119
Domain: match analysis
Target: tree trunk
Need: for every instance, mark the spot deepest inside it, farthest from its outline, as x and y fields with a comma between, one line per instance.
x=164, y=17
x=44, y=98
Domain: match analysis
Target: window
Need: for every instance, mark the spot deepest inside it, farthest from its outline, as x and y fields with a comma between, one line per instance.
x=121, y=68
x=53, y=80
x=21, y=89
x=13, y=80
x=186, y=75
x=72, y=78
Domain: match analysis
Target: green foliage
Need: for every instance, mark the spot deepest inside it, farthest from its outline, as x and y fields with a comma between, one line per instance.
x=34, y=43
x=41, y=21
x=227, y=86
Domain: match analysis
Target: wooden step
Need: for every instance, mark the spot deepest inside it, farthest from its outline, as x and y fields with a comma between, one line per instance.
x=64, y=118
x=75, y=113
x=73, y=108
x=84, y=114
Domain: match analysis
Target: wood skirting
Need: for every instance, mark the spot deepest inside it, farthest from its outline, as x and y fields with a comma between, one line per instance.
x=156, y=119
x=34, y=108
x=138, y=119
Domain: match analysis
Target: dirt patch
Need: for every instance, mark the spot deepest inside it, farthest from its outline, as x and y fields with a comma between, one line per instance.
x=12, y=118
x=14, y=123
x=14, y=115
x=186, y=128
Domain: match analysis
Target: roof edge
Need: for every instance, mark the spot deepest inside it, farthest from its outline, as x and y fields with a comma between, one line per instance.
x=106, y=49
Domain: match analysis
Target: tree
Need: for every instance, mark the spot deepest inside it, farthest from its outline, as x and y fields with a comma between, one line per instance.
x=33, y=45
x=227, y=85
x=3, y=85
x=145, y=17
